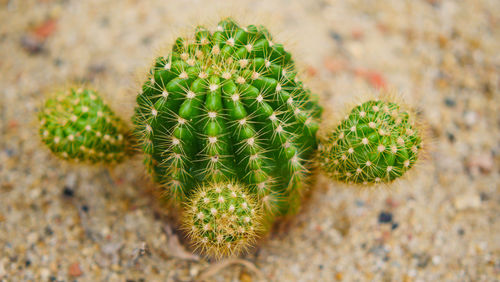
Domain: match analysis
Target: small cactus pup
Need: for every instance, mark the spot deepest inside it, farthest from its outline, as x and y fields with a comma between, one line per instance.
x=227, y=107
x=377, y=142
x=76, y=124
x=222, y=218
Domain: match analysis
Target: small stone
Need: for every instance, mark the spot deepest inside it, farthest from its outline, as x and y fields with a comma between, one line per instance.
x=450, y=102
x=44, y=273
x=68, y=192
x=467, y=201
x=245, y=277
x=385, y=217
x=470, y=118
x=75, y=270
x=193, y=271
x=481, y=163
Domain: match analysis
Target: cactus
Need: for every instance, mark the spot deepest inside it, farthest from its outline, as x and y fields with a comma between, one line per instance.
x=76, y=124
x=222, y=219
x=227, y=107
x=377, y=142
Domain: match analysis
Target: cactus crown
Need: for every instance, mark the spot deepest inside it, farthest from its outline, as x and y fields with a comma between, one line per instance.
x=222, y=219
x=223, y=106
x=377, y=142
x=76, y=124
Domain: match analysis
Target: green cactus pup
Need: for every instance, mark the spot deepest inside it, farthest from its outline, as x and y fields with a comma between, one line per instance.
x=76, y=124
x=222, y=218
x=377, y=142
x=227, y=107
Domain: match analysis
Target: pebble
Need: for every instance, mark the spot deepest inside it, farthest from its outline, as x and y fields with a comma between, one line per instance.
x=385, y=217
x=450, y=102
x=44, y=273
x=470, y=118
x=32, y=44
x=481, y=163
x=467, y=201
x=68, y=192
x=75, y=270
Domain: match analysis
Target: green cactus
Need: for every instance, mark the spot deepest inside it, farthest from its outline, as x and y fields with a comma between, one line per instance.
x=227, y=106
x=377, y=142
x=222, y=219
x=76, y=124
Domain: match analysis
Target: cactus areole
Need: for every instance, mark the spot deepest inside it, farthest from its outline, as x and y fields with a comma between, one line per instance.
x=227, y=106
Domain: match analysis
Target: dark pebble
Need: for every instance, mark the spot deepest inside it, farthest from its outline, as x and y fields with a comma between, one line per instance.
x=146, y=40
x=9, y=152
x=32, y=44
x=48, y=231
x=385, y=217
x=394, y=225
x=58, y=62
x=27, y=263
x=320, y=267
x=450, y=102
x=336, y=36
x=461, y=232
x=484, y=197
x=85, y=208
x=68, y=192
x=451, y=137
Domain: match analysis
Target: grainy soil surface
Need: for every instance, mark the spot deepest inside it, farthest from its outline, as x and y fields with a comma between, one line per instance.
x=65, y=222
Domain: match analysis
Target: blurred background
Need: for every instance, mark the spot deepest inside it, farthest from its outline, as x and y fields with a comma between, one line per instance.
x=61, y=222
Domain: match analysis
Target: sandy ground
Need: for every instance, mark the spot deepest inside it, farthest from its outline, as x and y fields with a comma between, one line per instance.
x=61, y=222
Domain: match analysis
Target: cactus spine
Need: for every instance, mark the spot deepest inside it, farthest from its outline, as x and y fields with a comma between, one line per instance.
x=377, y=142
x=76, y=124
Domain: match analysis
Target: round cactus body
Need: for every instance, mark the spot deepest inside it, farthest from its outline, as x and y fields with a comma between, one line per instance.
x=76, y=124
x=224, y=106
x=222, y=219
x=377, y=142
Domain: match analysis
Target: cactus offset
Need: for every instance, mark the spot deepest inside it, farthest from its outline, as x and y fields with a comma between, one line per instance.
x=222, y=219
x=76, y=124
x=377, y=142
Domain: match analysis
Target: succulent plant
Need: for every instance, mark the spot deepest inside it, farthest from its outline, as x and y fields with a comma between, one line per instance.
x=77, y=124
x=222, y=218
x=227, y=106
x=377, y=142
